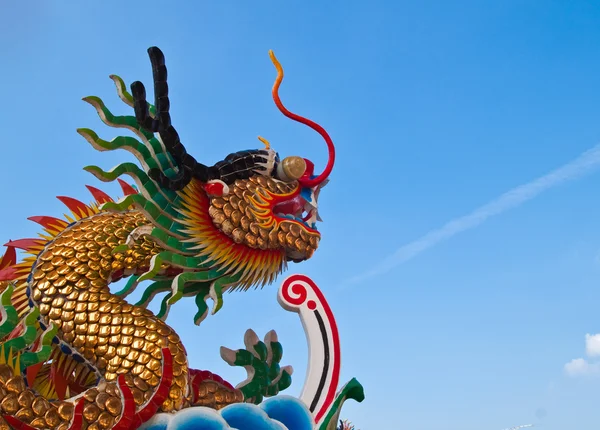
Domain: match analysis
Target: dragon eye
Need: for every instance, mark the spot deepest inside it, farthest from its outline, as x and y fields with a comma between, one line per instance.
x=291, y=168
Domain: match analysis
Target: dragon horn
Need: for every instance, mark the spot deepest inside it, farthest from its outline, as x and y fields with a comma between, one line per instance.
x=306, y=180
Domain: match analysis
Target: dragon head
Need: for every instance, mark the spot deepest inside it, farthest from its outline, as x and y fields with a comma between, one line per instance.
x=228, y=226
x=273, y=204
x=266, y=213
x=253, y=203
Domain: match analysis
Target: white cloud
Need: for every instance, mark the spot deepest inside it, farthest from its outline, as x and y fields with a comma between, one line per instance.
x=581, y=367
x=592, y=345
x=585, y=163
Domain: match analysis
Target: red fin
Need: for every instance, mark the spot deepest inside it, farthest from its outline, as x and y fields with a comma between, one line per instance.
x=32, y=372
x=49, y=222
x=25, y=244
x=100, y=196
x=60, y=383
x=127, y=189
x=77, y=420
x=77, y=207
x=8, y=274
x=9, y=258
x=128, y=414
x=17, y=424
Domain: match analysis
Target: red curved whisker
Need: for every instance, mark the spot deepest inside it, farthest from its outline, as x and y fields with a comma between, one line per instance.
x=305, y=181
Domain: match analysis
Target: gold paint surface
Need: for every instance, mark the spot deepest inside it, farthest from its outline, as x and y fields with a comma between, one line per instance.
x=102, y=327
x=70, y=286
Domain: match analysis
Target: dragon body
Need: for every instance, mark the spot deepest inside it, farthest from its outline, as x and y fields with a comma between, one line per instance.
x=76, y=355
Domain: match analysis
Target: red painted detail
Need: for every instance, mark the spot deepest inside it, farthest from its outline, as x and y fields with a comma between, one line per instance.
x=75, y=387
x=306, y=181
x=195, y=379
x=78, y=208
x=283, y=204
x=100, y=196
x=80, y=380
x=49, y=222
x=128, y=412
x=312, y=305
x=127, y=189
x=171, y=271
x=310, y=170
x=17, y=331
x=17, y=424
x=335, y=376
x=199, y=376
x=117, y=275
x=7, y=270
x=161, y=393
x=290, y=207
x=298, y=289
x=59, y=381
x=297, y=284
x=214, y=189
x=25, y=244
x=62, y=380
x=9, y=258
x=31, y=372
x=36, y=344
x=77, y=420
x=8, y=273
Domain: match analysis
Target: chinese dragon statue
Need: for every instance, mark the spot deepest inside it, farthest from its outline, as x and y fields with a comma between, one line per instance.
x=74, y=355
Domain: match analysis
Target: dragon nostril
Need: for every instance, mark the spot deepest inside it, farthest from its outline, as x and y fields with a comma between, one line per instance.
x=291, y=168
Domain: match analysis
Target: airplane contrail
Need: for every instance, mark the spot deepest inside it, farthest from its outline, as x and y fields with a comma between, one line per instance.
x=583, y=164
x=520, y=427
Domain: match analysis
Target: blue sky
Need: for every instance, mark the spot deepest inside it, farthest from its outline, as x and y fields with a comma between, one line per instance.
x=437, y=108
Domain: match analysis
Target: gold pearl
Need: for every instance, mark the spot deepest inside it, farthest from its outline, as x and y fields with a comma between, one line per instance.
x=293, y=167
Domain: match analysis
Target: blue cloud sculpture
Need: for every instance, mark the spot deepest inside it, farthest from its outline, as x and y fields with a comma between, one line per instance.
x=276, y=413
